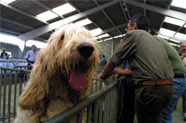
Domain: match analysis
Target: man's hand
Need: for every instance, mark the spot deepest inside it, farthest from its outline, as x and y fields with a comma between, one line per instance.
x=107, y=71
x=101, y=76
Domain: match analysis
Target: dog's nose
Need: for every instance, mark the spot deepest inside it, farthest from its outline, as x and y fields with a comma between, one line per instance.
x=85, y=50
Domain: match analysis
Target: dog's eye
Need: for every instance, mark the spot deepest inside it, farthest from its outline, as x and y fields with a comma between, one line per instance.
x=62, y=37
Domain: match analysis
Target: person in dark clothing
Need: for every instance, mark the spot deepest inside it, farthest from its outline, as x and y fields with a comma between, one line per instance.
x=103, y=60
x=4, y=55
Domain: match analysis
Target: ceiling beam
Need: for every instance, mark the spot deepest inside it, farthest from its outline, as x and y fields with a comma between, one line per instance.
x=47, y=8
x=54, y=25
x=165, y=16
x=107, y=16
x=13, y=22
x=112, y=29
x=123, y=10
x=127, y=9
x=21, y=12
x=166, y=12
x=144, y=10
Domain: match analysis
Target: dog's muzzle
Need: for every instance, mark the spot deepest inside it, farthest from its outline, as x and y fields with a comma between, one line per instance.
x=85, y=50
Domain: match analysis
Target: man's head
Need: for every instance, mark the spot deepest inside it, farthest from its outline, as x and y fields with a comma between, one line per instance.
x=183, y=47
x=34, y=48
x=138, y=22
x=3, y=50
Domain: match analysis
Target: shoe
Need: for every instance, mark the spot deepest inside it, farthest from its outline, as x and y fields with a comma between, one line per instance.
x=184, y=119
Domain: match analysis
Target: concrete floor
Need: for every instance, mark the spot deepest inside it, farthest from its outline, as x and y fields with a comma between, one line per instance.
x=178, y=114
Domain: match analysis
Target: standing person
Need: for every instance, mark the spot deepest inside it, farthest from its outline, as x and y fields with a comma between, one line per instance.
x=179, y=80
x=183, y=56
x=152, y=70
x=31, y=55
x=126, y=93
x=103, y=60
x=4, y=55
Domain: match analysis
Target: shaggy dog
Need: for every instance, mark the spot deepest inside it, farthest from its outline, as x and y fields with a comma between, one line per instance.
x=61, y=76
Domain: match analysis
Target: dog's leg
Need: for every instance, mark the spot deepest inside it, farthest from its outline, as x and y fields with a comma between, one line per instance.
x=26, y=116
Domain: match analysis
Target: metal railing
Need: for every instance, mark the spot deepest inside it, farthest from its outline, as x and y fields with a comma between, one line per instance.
x=11, y=85
x=101, y=105
x=12, y=63
x=101, y=108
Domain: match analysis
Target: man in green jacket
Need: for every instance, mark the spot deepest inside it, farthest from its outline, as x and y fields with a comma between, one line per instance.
x=179, y=79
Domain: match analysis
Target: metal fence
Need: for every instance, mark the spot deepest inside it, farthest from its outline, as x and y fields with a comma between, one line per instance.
x=12, y=63
x=101, y=105
x=11, y=85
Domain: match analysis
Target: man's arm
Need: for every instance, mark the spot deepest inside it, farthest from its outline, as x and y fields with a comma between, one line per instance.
x=107, y=71
x=125, y=72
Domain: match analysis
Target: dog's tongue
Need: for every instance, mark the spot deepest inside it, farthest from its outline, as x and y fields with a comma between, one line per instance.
x=78, y=81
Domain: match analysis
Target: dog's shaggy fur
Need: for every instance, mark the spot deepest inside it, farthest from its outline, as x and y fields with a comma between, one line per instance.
x=48, y=91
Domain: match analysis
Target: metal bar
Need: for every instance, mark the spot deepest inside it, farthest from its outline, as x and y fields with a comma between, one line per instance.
x=166, y=12
x=52, y=26
x=4, y=96
x=21, y=12
x=16, y=23
x=46, y=7
x=80, y=116
x=63, y=116
x=1, y=81
x=107, y=17
x=9, y=96
x=128, y=13
x=123, y=11
x=100, y=117
x=95, y=116
x=89, y=114
x=15, y=94
x=164, y=17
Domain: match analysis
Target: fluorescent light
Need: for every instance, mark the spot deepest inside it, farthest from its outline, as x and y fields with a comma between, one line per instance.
x=95, y=38
x=108, y=39
x=96, y=31
x=38, y=44
x=161, y=36
x=83, y=22
x=173, y=40
x=99, y=41
x=8, y=1
x=119, y=36
x=64, y=9
x=166, y=32
x=179, y=3
x=181, y=36
x=173, y=44
x=45, y=16
x=104, y=35
x=174, y=21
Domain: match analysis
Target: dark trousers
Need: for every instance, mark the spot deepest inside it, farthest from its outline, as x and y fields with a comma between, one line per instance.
x=150, y=100
x=127, y=101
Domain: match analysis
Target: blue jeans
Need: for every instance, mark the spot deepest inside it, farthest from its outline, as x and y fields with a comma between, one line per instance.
x=179, y=87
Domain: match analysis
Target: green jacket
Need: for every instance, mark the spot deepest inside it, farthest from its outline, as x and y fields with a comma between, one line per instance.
x=175, y=59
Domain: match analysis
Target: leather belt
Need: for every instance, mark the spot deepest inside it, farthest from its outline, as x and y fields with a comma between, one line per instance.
x=159, y=82
x=178, y=76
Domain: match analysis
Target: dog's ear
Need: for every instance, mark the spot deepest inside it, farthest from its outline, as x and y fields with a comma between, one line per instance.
x=34, y=96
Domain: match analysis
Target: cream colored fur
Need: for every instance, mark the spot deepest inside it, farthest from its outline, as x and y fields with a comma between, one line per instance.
x=47, y=92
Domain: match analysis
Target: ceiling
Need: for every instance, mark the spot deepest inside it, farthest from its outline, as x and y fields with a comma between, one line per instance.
x=19, y=17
